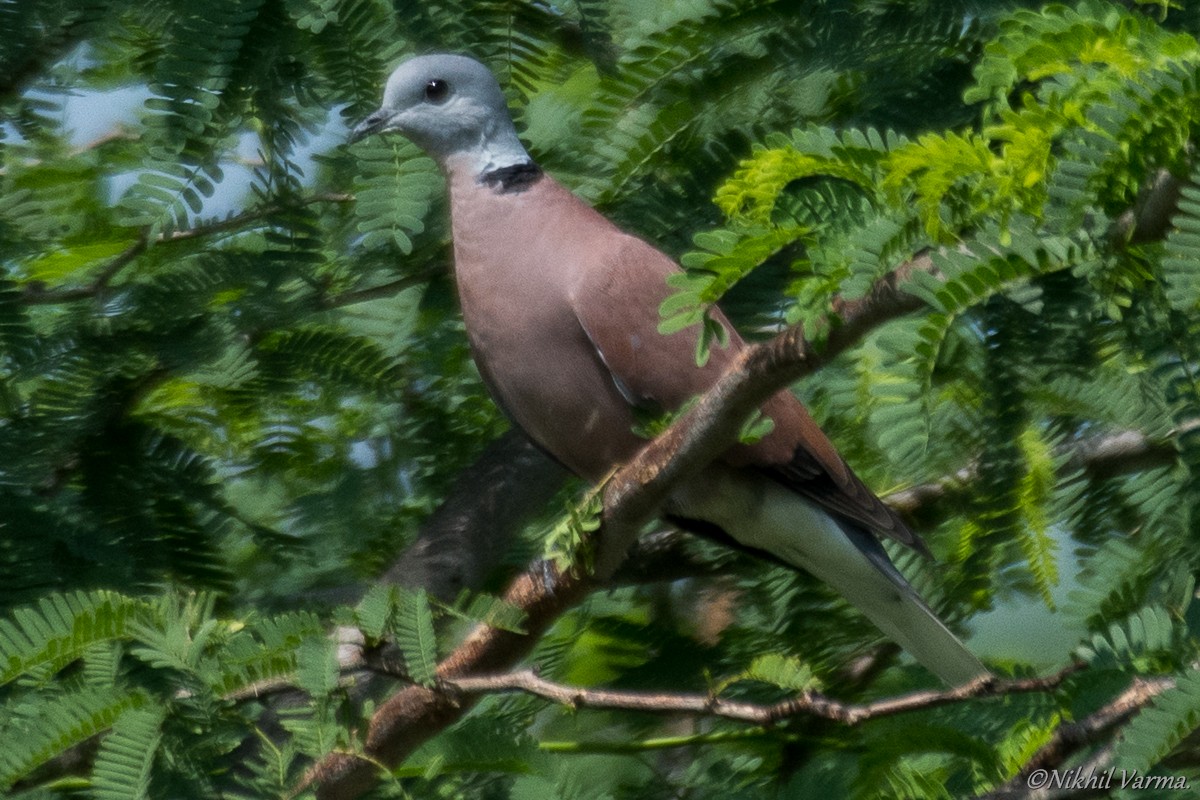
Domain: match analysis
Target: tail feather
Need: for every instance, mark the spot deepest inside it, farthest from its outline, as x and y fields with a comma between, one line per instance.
x=775, y=520
x=900, y=612
x=855, y=564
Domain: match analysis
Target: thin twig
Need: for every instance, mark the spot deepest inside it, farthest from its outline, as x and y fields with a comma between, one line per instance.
x=810, y=704
x=388, y=289
x=1102, y=456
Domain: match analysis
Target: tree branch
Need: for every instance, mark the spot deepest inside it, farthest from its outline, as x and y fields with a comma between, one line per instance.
x=1070, y=737
x=1102, y=456
x=490, y=501
x=375, y=292
x=810, y=704
x=635, y=492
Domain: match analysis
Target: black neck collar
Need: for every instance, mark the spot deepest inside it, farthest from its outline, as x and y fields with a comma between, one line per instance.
x=514, y=178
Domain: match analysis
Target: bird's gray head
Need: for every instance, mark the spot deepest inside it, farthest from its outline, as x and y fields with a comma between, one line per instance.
x=448, y=105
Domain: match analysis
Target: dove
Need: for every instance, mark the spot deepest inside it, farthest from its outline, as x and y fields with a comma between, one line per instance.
x=561, y=311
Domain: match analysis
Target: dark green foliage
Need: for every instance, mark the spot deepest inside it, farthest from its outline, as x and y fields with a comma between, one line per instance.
x=218, y=427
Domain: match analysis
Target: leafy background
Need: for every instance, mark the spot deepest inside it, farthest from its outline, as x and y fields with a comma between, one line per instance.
x=234, y=386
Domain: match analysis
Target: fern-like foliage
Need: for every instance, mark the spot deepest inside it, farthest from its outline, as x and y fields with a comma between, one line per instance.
x=128, y=647
x=407, y=618
x=233, y=382
x=1149, y=635
x=394, y=192
x=45, y=638
x=1182, y=252
x=37, y=731
x=126, y=757
x=1151, y=736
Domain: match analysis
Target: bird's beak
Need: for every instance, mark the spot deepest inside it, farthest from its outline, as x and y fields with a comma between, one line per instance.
x=372, y=124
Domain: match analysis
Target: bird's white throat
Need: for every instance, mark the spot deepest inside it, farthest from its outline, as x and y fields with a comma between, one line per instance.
x=498, y=148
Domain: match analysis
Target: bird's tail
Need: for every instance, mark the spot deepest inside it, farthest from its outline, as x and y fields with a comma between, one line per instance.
x=855, y=564
x=888, y=600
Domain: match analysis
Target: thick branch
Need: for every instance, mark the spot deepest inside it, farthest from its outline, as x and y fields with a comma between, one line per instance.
x=489, y=503
x=415, y=713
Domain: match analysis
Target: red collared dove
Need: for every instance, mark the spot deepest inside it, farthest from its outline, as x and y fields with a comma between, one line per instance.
x=561, y=309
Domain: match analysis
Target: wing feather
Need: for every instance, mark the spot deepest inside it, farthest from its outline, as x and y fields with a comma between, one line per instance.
x=657, y=370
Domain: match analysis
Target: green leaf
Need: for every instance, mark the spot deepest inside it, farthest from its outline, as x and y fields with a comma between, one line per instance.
x=1162, y=725
x=786, y=672
x=56, y=723
x=127, y=754
x=415, y=637
x=317, y=666
x=755, y=428
x=46, y=637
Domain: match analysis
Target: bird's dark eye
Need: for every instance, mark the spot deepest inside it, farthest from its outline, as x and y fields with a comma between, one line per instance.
x=437, y=91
